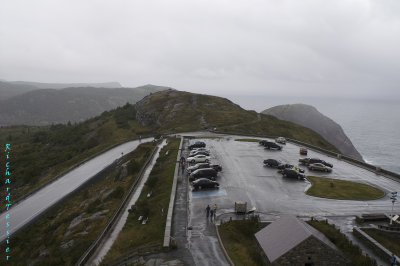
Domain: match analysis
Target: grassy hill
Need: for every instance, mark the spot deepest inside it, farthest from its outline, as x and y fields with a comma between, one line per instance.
x=40, y=153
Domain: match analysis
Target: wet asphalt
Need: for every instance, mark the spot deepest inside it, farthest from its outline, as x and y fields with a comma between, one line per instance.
x=244, y=178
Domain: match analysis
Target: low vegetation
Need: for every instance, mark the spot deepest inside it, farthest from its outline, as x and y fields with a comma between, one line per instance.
x=135, y=234
x=248, y=140
x=239, y=241
x=351, y=251
x=341, y=189
x=40, y=153
x=390, y=240
x=62, y=234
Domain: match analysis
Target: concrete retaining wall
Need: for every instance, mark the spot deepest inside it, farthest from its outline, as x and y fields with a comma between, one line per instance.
x=380, y=250
x=168, y=225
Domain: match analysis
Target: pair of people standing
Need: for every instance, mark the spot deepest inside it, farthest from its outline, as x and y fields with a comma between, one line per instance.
x=211, y=212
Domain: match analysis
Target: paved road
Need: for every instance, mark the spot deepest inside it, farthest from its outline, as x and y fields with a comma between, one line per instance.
x=34, y=205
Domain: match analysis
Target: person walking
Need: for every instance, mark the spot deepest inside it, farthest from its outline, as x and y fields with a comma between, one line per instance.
x=393, y=260
x=211, y=213
x=208, y=210
x=215, y=209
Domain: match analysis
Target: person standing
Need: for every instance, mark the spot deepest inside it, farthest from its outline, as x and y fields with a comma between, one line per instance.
x=208, y=210
x=393, y=260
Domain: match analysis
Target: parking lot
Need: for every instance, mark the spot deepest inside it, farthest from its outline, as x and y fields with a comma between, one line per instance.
x=245, y=178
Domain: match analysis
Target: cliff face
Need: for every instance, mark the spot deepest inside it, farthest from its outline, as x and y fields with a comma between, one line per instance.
x=310, y=117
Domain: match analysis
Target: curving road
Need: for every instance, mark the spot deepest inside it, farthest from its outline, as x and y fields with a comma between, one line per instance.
x=30, y=208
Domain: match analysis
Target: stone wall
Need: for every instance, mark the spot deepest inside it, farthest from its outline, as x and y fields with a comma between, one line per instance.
x=312, y=251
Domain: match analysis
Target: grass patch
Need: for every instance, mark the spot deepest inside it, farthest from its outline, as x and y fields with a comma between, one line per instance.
x=389, y=240
x=134, y=234
x=342, y=189
x=351, y=251
x=239, y=241
x=248, y=140
x=54, y=240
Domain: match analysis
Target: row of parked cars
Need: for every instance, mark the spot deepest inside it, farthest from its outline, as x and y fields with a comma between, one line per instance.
x=201, y=172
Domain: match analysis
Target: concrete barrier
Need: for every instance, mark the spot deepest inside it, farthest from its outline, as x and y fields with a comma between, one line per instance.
x=168, y=224
x=380, y=250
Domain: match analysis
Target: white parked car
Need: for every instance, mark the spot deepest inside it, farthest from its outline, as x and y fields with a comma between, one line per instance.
x=280, y=140
x=198, y=159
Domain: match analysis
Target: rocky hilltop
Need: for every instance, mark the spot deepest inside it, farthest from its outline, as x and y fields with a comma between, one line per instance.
x=310, y=117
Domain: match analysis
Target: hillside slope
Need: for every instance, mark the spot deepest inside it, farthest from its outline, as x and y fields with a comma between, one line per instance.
x=310, y=117
x=177, y=111
x=51, y=106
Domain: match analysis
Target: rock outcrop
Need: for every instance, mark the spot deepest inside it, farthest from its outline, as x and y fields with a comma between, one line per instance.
x=310, y=117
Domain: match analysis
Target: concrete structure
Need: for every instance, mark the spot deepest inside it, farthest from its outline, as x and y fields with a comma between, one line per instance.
x=290, y=241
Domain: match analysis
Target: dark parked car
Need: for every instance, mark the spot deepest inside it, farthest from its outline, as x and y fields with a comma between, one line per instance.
x=197, y=144
x=208, y=173
x=272, y=146
x=204, y=183
x=308, y=161
x=291, y=173
x=216, y=167
x=193, y=168
x=272, y=163
x=284, y=166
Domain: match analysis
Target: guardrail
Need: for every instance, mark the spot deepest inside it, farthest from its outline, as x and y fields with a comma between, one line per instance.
x=167, y=232
x=370, y=167
x=90, y=251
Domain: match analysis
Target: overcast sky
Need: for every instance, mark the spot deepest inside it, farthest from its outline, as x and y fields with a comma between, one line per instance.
x=265, y=47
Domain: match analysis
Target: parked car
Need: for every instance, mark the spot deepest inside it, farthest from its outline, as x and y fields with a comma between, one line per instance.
x=200, y=149
x=316, y=160
x=204, y=183
x=190, y=169
x=319, y=167
x=194, y=153
x=303, y=151
x=281, y=140
x=197, y=144
x=198, y=159
x=216, y=167
x=284, y=166
x=298, y=169
x=272, y=163
x=272, y=146
x=291, y=173
x=209, y=173
x=308, y=161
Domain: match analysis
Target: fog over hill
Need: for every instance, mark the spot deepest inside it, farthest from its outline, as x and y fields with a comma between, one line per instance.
x=51, y=106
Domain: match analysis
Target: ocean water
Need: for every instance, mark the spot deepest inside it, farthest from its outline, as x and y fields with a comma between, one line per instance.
x=373, y=126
